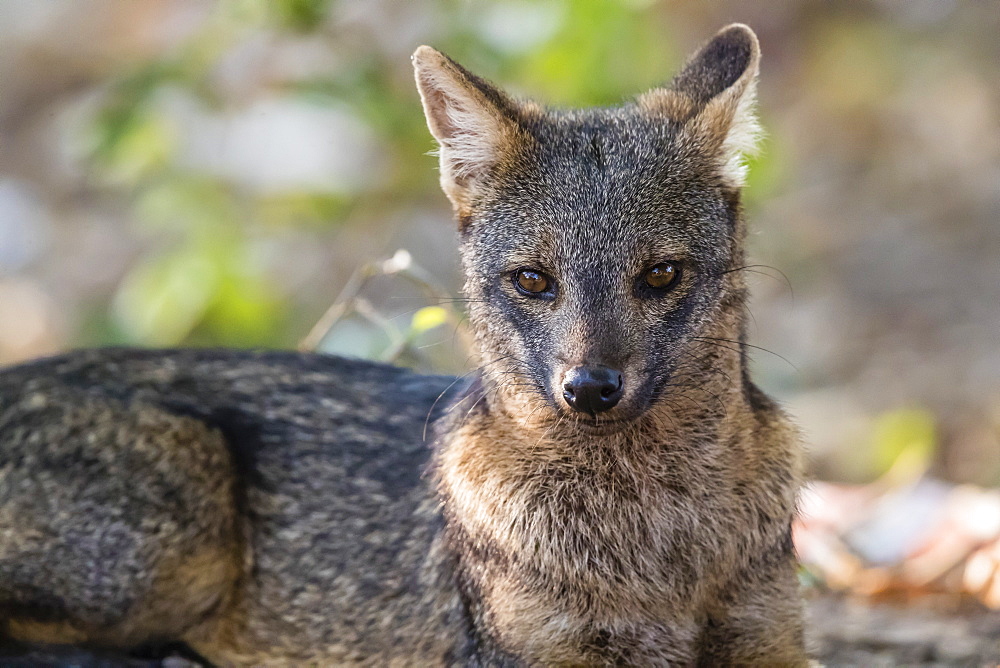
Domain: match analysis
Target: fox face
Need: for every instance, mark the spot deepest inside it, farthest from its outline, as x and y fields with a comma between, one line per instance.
x=597, y=244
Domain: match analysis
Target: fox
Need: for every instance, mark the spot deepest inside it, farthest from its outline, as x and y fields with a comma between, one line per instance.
x=607, y=487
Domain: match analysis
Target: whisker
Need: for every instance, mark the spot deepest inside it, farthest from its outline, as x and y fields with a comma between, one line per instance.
x=709, y=339
x=752, y=267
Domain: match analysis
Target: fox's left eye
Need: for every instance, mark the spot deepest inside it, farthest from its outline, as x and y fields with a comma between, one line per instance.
x=662, y=275
x=532, y=283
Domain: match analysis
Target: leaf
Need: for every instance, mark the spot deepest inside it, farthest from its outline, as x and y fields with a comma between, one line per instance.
x=428, y=318
x=132, y=146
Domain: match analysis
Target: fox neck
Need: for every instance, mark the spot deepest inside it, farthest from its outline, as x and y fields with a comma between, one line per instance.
x=535, y=507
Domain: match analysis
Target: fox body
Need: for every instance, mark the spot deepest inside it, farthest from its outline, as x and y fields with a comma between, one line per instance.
x=608, y=487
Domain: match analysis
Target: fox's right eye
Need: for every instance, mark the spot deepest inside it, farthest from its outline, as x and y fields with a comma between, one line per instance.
x=662, y=276
x=533, y=283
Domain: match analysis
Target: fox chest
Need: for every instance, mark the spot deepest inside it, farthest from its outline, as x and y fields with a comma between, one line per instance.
x=574, y=584
x=588, y=616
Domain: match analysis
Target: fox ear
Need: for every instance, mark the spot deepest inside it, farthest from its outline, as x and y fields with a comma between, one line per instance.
x=715, y=96
x=473, y=122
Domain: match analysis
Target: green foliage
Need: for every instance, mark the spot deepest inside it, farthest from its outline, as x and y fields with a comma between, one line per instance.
x=293, y=15
x=601, y=53
x=904, y=442
x=303, y=15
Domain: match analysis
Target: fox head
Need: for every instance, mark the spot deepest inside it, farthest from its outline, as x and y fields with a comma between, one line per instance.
x=600, y=246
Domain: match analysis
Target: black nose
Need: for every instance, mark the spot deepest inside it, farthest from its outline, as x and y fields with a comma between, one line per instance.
x=592, y=389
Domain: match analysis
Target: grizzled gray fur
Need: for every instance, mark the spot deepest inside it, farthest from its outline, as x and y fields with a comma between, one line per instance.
x=607, y=488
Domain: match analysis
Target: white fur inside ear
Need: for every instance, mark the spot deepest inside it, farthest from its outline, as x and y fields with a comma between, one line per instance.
x=473, y=147
x=742, y=139
x=468, y=131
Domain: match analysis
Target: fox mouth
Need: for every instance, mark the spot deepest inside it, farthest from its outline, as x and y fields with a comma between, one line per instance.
x=599, y=426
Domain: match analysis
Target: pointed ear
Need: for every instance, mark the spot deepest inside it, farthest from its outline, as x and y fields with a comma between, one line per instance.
x=715, y=96
x=474, y=123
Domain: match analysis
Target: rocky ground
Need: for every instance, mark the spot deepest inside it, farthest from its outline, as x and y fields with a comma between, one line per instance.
x=931, y=632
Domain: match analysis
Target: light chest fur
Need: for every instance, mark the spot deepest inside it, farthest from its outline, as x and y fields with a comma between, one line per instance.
x=592, y=548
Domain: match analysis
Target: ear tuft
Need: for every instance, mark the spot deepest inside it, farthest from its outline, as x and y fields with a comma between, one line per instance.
x=471, y=120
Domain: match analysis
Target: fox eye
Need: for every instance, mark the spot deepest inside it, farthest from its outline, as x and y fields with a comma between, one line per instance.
x=532, y=283
x=662, y=276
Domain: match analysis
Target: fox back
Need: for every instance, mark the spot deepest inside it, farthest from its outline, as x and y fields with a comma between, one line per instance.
x=607, y=487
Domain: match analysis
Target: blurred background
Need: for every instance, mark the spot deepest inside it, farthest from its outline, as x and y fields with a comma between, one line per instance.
x=255, y=173
x=186, y=172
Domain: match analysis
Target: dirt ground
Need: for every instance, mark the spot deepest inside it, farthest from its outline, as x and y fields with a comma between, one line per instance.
x=928, y=632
